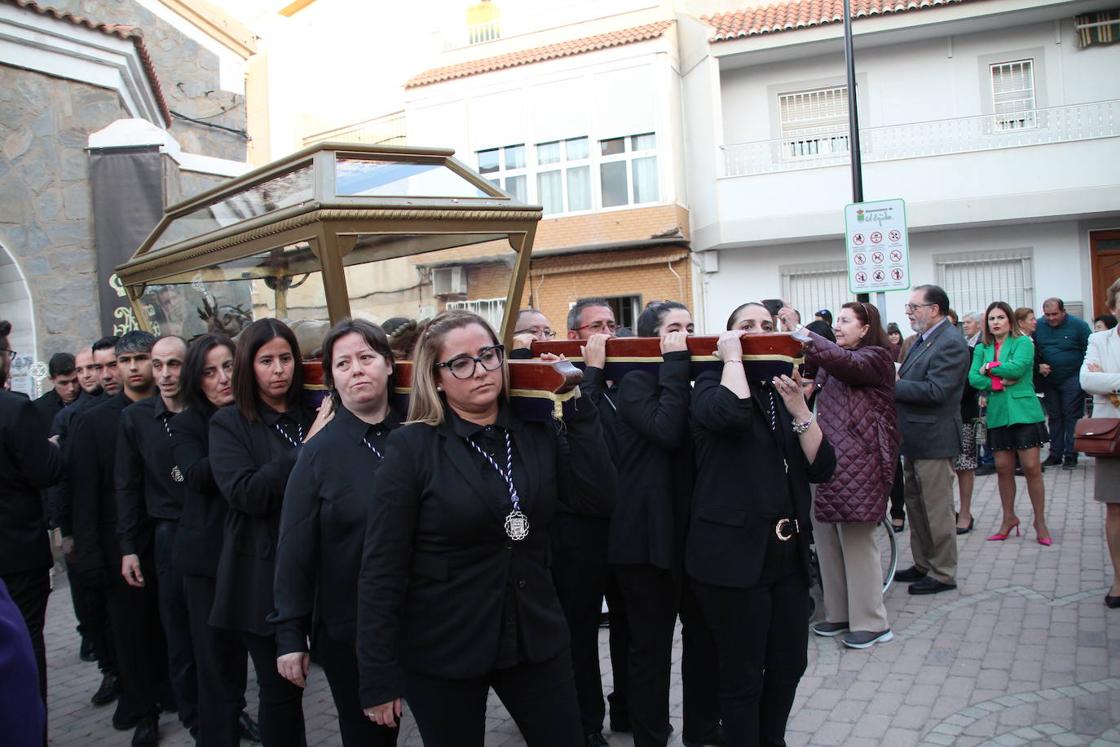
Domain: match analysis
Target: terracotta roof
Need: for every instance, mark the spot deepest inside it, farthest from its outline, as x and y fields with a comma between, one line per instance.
x=801, y=14
x=540, y=54
x=128, y=33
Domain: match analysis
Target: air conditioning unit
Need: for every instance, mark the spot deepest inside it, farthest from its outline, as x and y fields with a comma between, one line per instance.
x=449, y=282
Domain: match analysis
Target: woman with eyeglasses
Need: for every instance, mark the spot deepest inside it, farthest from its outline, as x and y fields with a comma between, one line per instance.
x=455, y=594
x=758, y=447
x=253, y=447
x=323, y=523
x=855, y=379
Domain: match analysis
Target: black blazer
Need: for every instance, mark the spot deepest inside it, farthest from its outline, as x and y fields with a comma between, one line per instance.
x=322, y=528
x=437, y=563
x=739, y=468
x=654, y=465
x=28, y=463
x=198, y=542
x=251, y=463
x=93, y=449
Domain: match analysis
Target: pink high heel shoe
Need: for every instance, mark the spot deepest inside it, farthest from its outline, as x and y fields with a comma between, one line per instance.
x=999, y=537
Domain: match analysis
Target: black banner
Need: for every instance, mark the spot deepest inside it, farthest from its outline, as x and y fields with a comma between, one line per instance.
x=128, y=197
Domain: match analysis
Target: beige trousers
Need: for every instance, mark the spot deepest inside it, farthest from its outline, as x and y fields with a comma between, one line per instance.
x=851, y=574
x=929, y=506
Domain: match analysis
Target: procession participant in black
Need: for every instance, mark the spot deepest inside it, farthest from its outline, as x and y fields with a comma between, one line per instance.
x=579, y=546
x=253, y=447
x=99, y=377
x=647, y=532
x=323, y=523
x=29, y=462
x=220, y=656
x=455, y=594
x=150, y=499
x=757, y=449
x=133, y=611
x=64, y=388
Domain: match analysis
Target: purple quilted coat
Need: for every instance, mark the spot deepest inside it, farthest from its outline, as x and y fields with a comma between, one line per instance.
x=855, y=407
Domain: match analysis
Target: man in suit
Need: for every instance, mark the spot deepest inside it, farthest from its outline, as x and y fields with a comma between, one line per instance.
x=928, y=396
x=64, y=389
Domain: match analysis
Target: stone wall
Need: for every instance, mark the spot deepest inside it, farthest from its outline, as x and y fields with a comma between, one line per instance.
x=188, y=76
x=45, y=220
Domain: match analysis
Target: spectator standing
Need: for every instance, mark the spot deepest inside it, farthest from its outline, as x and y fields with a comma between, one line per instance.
x=856, y=405
x=928, y=395
x=1104, y=322
x=1062, y=343
x=894, y=337
x=1100, y=376
x=1000, y=370
x=967, y=461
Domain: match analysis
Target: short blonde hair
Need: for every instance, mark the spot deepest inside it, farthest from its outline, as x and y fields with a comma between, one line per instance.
x=425, y=405
x=1111, y=294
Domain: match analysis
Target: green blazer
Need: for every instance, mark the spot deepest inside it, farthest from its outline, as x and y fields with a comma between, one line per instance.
x=1015, y=404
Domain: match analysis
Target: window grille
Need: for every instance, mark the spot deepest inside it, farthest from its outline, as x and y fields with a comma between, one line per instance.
x=975, y=279
x=814, y=123
x=490, y=309
x=809, y=288
x=1013, y=95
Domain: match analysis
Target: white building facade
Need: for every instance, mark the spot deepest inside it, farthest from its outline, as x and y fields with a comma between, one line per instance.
x=995, y=122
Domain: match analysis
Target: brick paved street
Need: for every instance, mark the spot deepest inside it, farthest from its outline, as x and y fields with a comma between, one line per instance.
x=1023, y=653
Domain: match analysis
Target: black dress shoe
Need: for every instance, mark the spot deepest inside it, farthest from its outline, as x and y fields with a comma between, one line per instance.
x=107, y=693
x=248, y=728
x=716, y=738
x=87, y=651
x=930, y=585
x=910, y=575
x=1113, y=603
x=1053, y=460
x=594, y=740
x=147, y=732
x=124, y=721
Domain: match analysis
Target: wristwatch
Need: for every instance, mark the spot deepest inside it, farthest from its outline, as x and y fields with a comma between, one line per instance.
x=800, y=428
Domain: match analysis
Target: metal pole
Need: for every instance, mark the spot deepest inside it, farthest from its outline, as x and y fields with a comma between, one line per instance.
x=853, y=120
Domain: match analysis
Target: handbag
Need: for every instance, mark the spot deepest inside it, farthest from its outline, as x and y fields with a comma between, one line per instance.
x=1099, y=437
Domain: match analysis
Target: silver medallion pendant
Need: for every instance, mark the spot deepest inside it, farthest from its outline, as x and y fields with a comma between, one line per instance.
x=517, y=525
x=176, y=475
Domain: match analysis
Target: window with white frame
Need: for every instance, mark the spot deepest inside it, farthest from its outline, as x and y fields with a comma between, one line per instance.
x=628, y=170
x=505, y=169
x=812, y=287
x=490, y=309
x=814, y=123
x=975, y=279
x=1013, y=96
x=564, y=175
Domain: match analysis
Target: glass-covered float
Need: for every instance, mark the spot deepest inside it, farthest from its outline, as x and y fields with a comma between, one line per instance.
x=391, y=234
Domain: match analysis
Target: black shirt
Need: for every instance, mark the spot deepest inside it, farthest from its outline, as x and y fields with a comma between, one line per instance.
x=198, y=542
x=49, y=405
x=322, y=527
x=147, y=480
x=59, y=499
x=28, y=463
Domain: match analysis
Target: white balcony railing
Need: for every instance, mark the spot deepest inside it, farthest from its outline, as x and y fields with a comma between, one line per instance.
x=1058, y=124
x=385, y=130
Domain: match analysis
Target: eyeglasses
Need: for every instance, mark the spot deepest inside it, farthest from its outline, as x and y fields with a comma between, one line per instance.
x=11, y=353
x=598, y=327
x=915, y=306
x=545, y=333
x=465, y=366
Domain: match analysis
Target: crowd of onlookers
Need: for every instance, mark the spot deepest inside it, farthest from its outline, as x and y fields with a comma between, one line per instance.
x=431, y=551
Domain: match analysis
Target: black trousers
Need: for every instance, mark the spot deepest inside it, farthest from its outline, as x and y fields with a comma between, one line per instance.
x=93, y=618
x=340, y=664
x=138, y=642
x=541, y=698
x=762, y=636
x=281, y=703
x=582, y=578
x=898, y=499
x=650, y=595
x=222, y=665
x=176, y=624
x=29, y=590
x=699, y=670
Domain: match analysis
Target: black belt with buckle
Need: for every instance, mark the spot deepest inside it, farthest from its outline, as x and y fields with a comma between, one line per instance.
x=786, y=529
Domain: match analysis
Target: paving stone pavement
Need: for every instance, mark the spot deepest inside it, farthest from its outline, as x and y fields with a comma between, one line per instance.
x=1023, y=653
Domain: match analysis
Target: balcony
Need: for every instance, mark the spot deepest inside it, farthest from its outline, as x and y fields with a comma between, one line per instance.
x=1058, y=124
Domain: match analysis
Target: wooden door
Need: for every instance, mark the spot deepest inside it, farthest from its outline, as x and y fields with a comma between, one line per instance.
x=1104, y=250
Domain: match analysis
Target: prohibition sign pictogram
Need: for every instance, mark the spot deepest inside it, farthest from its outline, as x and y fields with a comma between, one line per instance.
x=894, y=235
x=876, y=237
x=877, y=258
x=896, y=255
x=859, y=259
x=896, y=273
x=878, y=276
x=857, y=239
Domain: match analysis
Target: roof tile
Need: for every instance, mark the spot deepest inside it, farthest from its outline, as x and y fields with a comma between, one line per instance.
x=128, y=33
x=801, y=14
x=540, y=54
